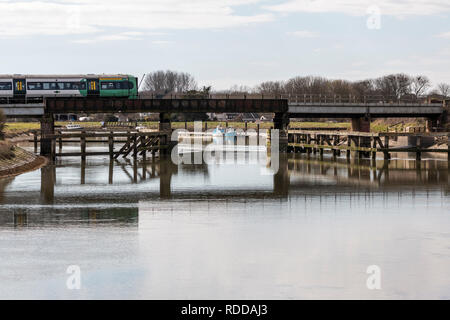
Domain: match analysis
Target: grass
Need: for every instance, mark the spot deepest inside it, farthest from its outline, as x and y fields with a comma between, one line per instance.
x=376, y=126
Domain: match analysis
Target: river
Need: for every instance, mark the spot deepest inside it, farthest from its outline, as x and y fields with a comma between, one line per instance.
x=228, y=230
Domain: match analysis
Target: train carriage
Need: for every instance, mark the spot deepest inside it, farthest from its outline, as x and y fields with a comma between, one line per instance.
x=6, y=87
x=34, y=87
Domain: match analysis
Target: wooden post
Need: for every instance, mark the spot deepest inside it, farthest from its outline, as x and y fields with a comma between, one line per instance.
x=246, y=126
x=206, y=126
x=418, y=147
x=315, y=143
x=135, y=150
x=308, y=141
x=83, y=172
x=320, y=144
x=349, y=144
x=448, y=148
x=335, y=143
x=144, y=152
x=257, y=134
x=374, y=146
x=111, y=145
x=386, y=147
x=360, y=153
x=111, y=171
x=83, y=145
x=226, y=124
x=35, y=141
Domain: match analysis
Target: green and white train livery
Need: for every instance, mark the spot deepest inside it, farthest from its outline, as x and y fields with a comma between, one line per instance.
x=40, y=86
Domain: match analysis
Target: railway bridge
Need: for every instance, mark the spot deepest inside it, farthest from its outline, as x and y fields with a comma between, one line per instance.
x=284, y=107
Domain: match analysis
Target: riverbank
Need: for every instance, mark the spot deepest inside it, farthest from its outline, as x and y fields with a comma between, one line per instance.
x=15, y=160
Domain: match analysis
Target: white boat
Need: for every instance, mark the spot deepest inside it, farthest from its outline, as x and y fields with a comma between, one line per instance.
x=72, y=126
x=218, y=132
x=230, y=132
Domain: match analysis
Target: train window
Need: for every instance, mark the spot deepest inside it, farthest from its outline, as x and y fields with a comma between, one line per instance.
x=109, y=85
x=82, y=86
x=118, y=85
x=130, y=85
x=34, y=85
x=5, y=86
x=60, y=85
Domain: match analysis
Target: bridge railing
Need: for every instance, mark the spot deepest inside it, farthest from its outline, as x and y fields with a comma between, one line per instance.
x=292, y=98
x=338, y=99
x=300, y=98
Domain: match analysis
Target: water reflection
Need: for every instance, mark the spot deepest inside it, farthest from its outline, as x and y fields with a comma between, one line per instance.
x=226, y=230
x=111, y=184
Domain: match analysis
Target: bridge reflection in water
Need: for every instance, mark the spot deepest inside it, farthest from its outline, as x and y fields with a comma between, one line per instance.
x=78, y=198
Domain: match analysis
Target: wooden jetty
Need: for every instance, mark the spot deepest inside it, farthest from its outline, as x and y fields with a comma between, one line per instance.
x=360, y=144
x=132, y=144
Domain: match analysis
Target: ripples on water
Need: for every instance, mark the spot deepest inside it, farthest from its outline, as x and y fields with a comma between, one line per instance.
x=225, y=230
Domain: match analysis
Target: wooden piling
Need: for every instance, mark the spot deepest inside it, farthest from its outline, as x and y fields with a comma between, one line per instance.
x=386, y=147
x=83, y=145
x=321, y=149
x=374, y=146
x=35, y=140
x=60, y=142
x=418, y=146
x=135, y=149
x=111, y=145
x=257, y=134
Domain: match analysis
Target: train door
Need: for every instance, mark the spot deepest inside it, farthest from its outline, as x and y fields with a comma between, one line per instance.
x=19, y=88
x=93, y=88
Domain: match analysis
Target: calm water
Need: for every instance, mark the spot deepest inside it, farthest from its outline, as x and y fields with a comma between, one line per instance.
x=224, y=230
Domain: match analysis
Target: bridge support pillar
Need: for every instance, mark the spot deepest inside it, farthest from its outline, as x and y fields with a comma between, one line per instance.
x=361, y=124
x=166, y=127
x=47, y=128
x=281, y=122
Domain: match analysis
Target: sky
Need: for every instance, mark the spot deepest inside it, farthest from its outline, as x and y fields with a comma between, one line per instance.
x=228, y=42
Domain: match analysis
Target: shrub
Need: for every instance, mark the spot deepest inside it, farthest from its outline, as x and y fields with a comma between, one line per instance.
x=2, y=125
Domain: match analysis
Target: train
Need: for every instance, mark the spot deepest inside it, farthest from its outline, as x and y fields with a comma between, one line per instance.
x=35, y=87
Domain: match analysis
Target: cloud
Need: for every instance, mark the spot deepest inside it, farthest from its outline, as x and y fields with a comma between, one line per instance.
x=123, y=36
x=445, y=35
x=360, y=7
x=162, y=42
x=303, y=34
x=66, y=17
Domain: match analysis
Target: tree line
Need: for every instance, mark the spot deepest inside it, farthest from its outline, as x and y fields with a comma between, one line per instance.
x=389, y=87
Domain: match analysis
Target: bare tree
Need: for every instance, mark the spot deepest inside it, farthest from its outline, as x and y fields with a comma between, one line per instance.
x=164, y=82
x=238, y=90
x=419, y=85
x=271, y=87
x=393, y=86
x=443, y=89
x=308, y=85
x=341, y=88
x=364, y=88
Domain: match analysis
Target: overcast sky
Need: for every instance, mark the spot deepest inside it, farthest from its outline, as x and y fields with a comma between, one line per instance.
x=228, y=42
